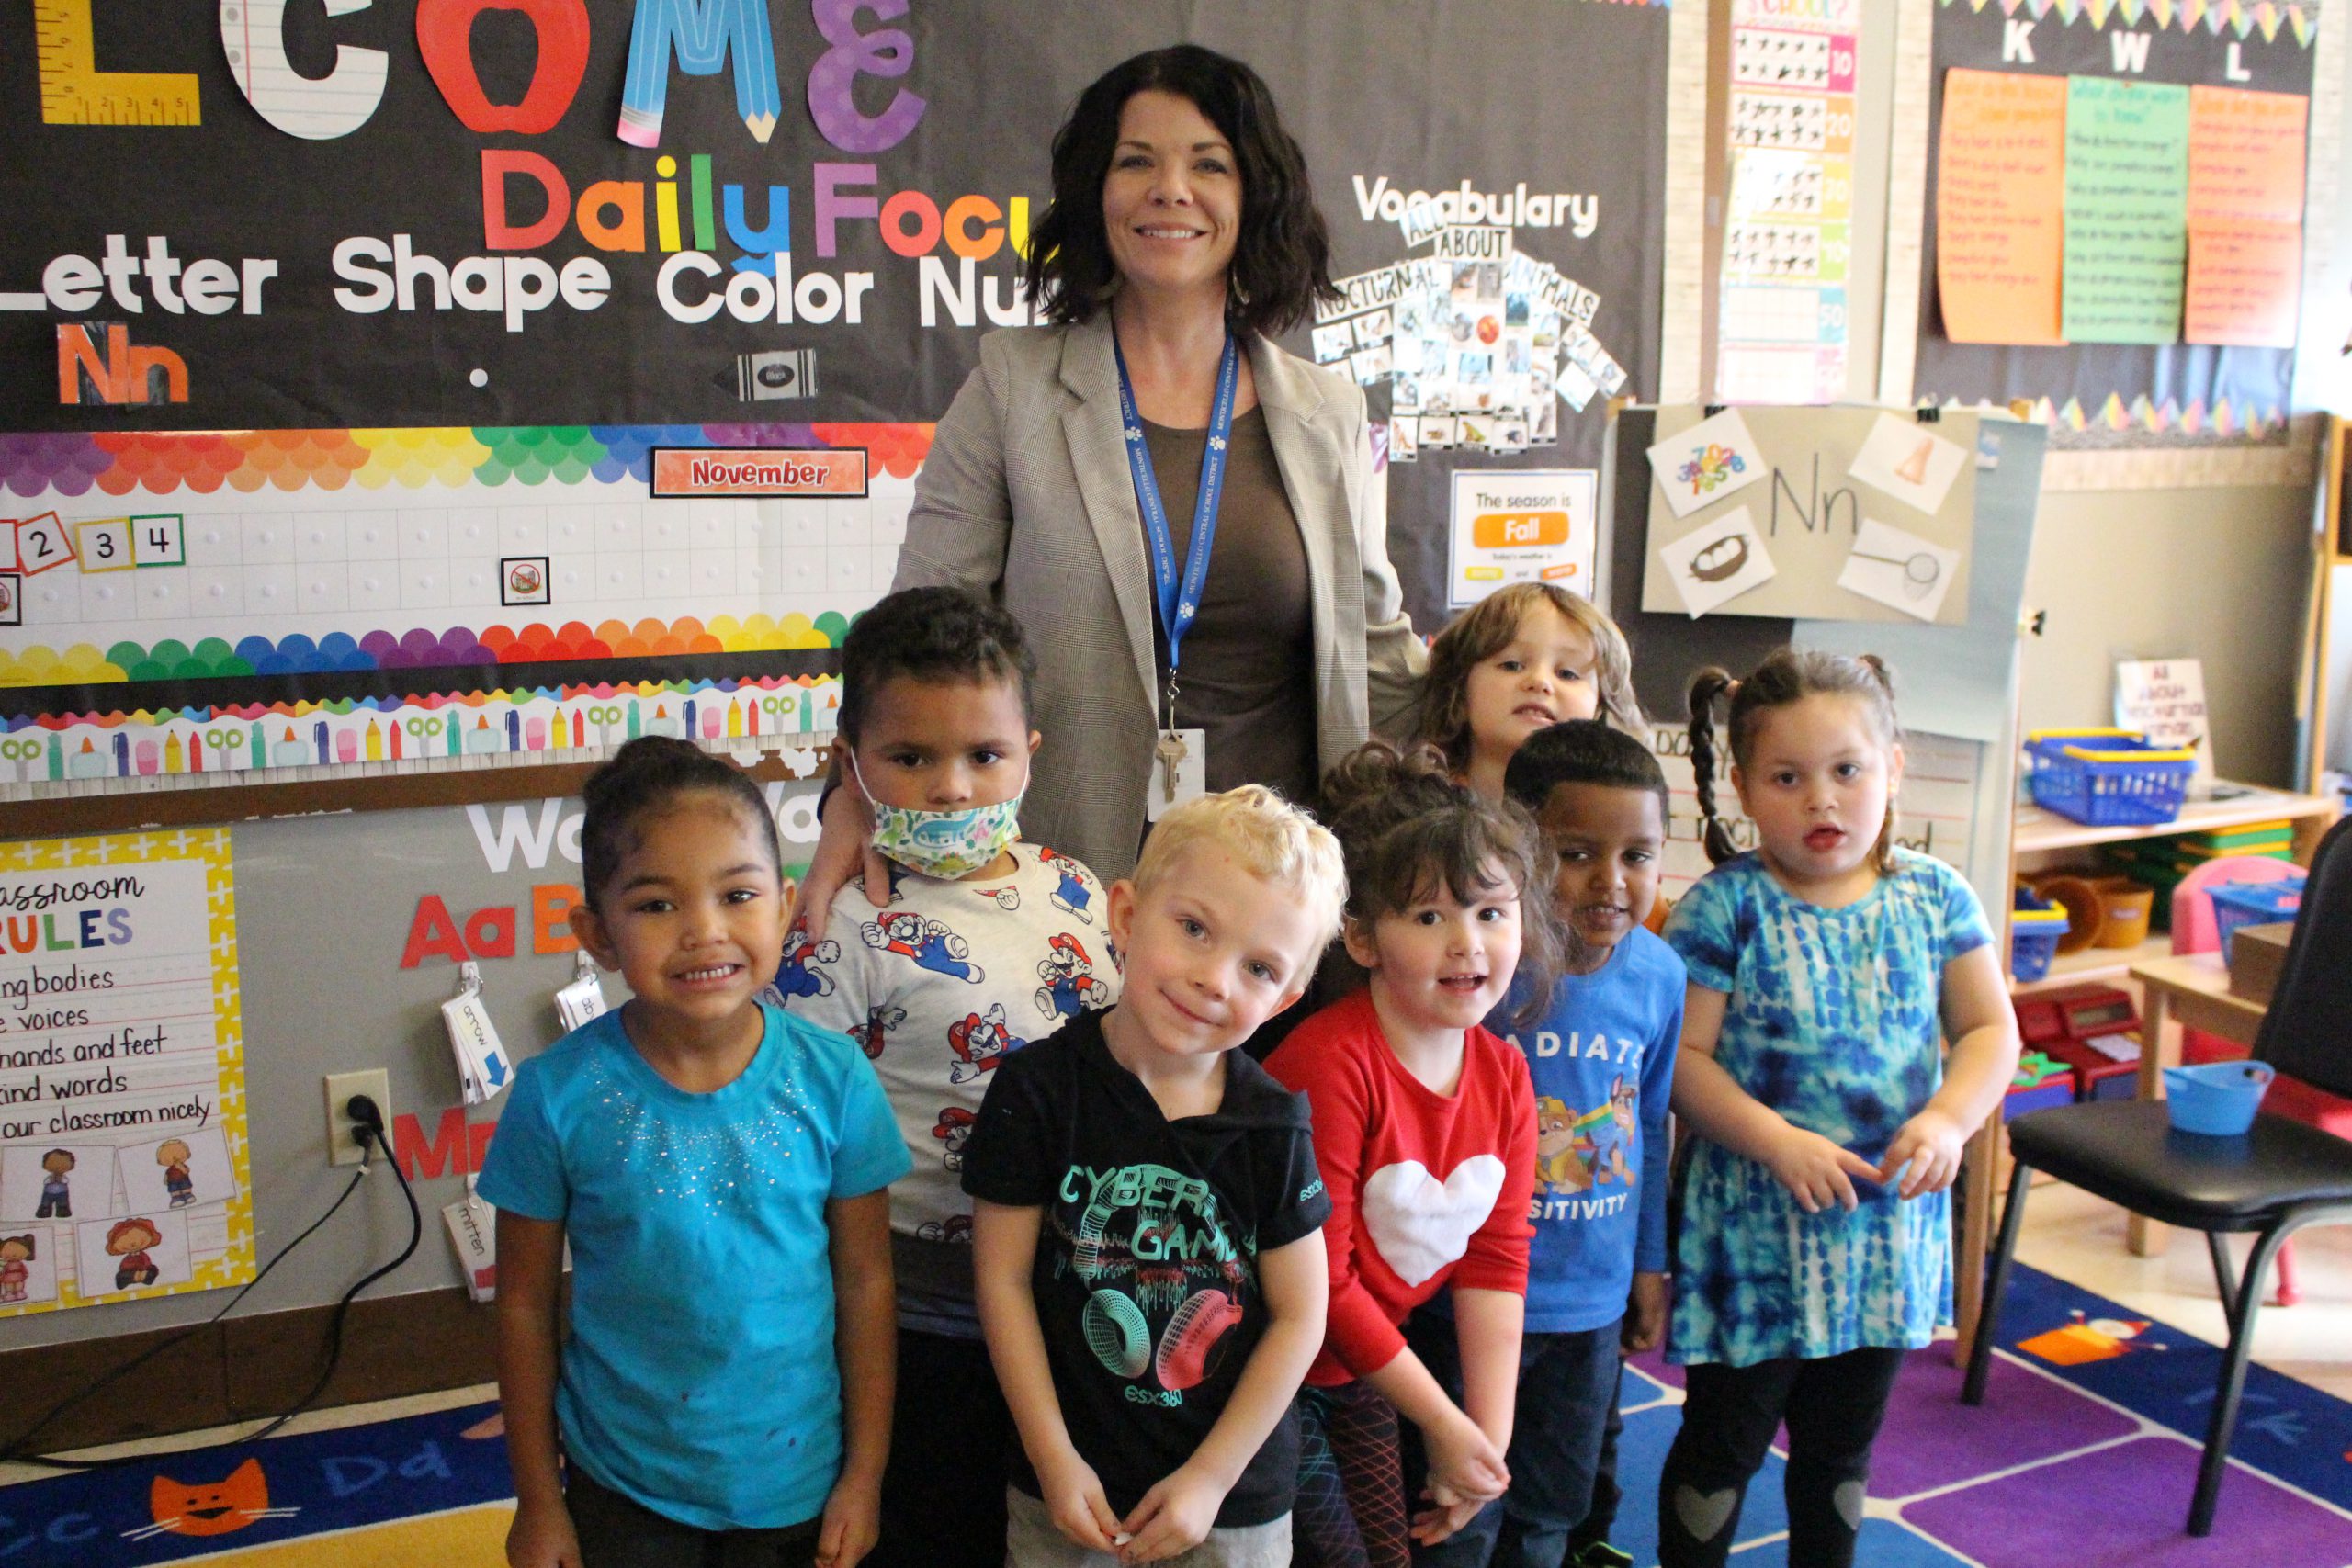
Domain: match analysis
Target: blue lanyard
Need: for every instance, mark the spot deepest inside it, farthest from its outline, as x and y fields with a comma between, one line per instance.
x=1179, y=599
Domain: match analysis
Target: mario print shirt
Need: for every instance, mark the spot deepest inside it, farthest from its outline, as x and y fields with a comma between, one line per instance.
x=937, y=988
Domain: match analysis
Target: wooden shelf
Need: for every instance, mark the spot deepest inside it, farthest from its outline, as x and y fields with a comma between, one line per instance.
x=2036, y=831
x=2093, y=964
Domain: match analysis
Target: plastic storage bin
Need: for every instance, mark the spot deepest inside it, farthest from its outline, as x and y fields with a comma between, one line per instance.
x=2123, y=907
x=2239, y=903
x=2217, y=1098
x=2033, y=940
x=2107, y=778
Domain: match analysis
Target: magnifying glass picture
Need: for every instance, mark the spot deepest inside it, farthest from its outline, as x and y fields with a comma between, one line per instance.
x=1920, y=571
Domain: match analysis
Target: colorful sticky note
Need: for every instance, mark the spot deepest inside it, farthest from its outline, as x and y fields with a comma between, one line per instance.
x=2000, y=205
x=2127, y=201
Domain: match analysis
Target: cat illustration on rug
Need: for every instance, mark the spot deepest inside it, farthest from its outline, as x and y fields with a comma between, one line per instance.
x=219, y=1507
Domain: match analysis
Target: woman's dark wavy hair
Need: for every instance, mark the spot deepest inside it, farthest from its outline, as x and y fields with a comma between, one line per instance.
x=1281, y=262
x=645, y=776
x=1408, y=830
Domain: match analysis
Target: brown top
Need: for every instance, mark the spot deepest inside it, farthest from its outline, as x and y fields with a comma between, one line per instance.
x=1249, y=670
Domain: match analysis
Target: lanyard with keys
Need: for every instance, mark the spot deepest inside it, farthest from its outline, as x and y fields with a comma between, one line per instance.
x=1178, y=594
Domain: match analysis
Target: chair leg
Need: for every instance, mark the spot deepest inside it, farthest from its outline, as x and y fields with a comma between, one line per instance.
x=2225, y=1403
x=2289, y=1292
x=1989, y=1311
x=2225, y=1274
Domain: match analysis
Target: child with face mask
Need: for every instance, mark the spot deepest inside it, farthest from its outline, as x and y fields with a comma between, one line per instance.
x=984, y=944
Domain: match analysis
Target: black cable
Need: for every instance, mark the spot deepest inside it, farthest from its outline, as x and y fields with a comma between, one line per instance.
x=370, y=1130
x=15, y=1454
x=370, y=1135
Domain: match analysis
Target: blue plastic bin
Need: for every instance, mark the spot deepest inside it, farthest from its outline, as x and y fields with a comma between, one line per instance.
x=2035, y=925
x=2239, y=903
x=2216, y=1098
x=2107, y=778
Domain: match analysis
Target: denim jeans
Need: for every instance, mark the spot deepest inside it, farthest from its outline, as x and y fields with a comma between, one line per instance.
x=1567, y=1385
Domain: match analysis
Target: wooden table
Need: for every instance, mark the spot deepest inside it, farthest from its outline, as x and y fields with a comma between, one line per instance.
x=2191, y=991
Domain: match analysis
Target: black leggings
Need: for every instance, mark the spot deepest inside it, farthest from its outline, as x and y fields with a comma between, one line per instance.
x=1833, y=1406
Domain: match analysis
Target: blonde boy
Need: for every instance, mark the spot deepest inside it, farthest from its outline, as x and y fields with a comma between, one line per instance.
x=1149, y=1249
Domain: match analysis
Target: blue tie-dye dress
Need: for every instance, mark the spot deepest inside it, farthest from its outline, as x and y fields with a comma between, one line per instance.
x=1833, y=1021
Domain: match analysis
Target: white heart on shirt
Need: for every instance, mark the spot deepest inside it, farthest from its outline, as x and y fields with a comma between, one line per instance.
x=1421, y=1224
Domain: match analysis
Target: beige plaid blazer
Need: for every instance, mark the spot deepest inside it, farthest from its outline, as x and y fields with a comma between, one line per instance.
x=1026, y=497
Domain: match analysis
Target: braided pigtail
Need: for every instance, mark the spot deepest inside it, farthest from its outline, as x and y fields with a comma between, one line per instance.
x=1706, y=687
x=1883, y=853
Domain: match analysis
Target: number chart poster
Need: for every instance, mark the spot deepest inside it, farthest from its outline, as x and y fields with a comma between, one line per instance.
x=123, y=1168
x=2115, y=201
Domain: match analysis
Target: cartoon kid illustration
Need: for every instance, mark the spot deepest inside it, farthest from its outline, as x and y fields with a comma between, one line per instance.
x=1006, y=899
x=1606, y=1135
x=56, y=1194
x=952, y=1128
x=1070, y=986
x=981, y=1042
x=129, y=1240
x=171, y=1155
x=793, y=978
x=1556, y=1164
x=15, y=1252
x=875, y=1032
x=1074, y=895
x=953, y=1229
x=930, y=944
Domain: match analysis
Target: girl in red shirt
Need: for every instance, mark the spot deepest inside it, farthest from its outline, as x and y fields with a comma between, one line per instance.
x=1425, y=1137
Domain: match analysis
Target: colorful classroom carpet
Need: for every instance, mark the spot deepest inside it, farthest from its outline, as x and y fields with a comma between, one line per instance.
x=2082, y=1456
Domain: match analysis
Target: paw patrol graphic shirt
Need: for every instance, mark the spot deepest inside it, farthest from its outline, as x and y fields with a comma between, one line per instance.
x=938, y=989
x=1147, y=1272
x=1601, y=1059
x=1427, y=1189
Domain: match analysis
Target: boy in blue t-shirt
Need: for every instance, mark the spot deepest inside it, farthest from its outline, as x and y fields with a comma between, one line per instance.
x=1602, y=1061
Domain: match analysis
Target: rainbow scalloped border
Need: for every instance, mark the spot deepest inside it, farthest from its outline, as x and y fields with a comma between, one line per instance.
x=117, y=463
x=2264, y=16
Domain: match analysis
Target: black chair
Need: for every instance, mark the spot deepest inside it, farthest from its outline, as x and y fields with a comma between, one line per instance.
x=2272, y=1180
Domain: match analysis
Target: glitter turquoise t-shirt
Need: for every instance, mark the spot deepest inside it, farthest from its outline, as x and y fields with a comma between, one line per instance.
x=1833, y=1021
x=699, y=1378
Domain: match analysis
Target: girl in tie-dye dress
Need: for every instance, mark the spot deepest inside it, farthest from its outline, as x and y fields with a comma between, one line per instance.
x=1826, y=966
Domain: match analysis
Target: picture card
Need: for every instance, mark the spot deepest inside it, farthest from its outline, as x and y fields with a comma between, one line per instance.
x=56, y=1181
x=178, y=1171
x=1713, y=458
x=1910, y=462
x=1899, y=569
x=136, y=1252
x=1718, y=562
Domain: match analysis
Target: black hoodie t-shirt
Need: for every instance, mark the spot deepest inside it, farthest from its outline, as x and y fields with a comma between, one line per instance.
x=1147, y=1272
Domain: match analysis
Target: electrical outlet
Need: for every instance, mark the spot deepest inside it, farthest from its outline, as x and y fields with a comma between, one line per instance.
x=343, y=1145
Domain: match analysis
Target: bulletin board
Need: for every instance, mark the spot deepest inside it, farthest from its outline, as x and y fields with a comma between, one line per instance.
x=2113, y=218
x=1955, y=683
x=419, y=292
x=123, y=1164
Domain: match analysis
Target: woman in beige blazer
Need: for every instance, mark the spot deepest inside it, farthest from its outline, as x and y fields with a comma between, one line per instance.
x=1180, y=211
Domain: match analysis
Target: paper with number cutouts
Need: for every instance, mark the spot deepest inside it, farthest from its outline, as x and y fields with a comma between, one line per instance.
x=1909, y=461
x=1718, y=562
x=2000, y=205
x=1899, y=569
x=2127, y=211
x=1713, y=458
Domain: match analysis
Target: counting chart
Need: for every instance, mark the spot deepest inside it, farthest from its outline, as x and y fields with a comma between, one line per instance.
x=1774, y=120
x=280, y=565
x=1763, y=57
